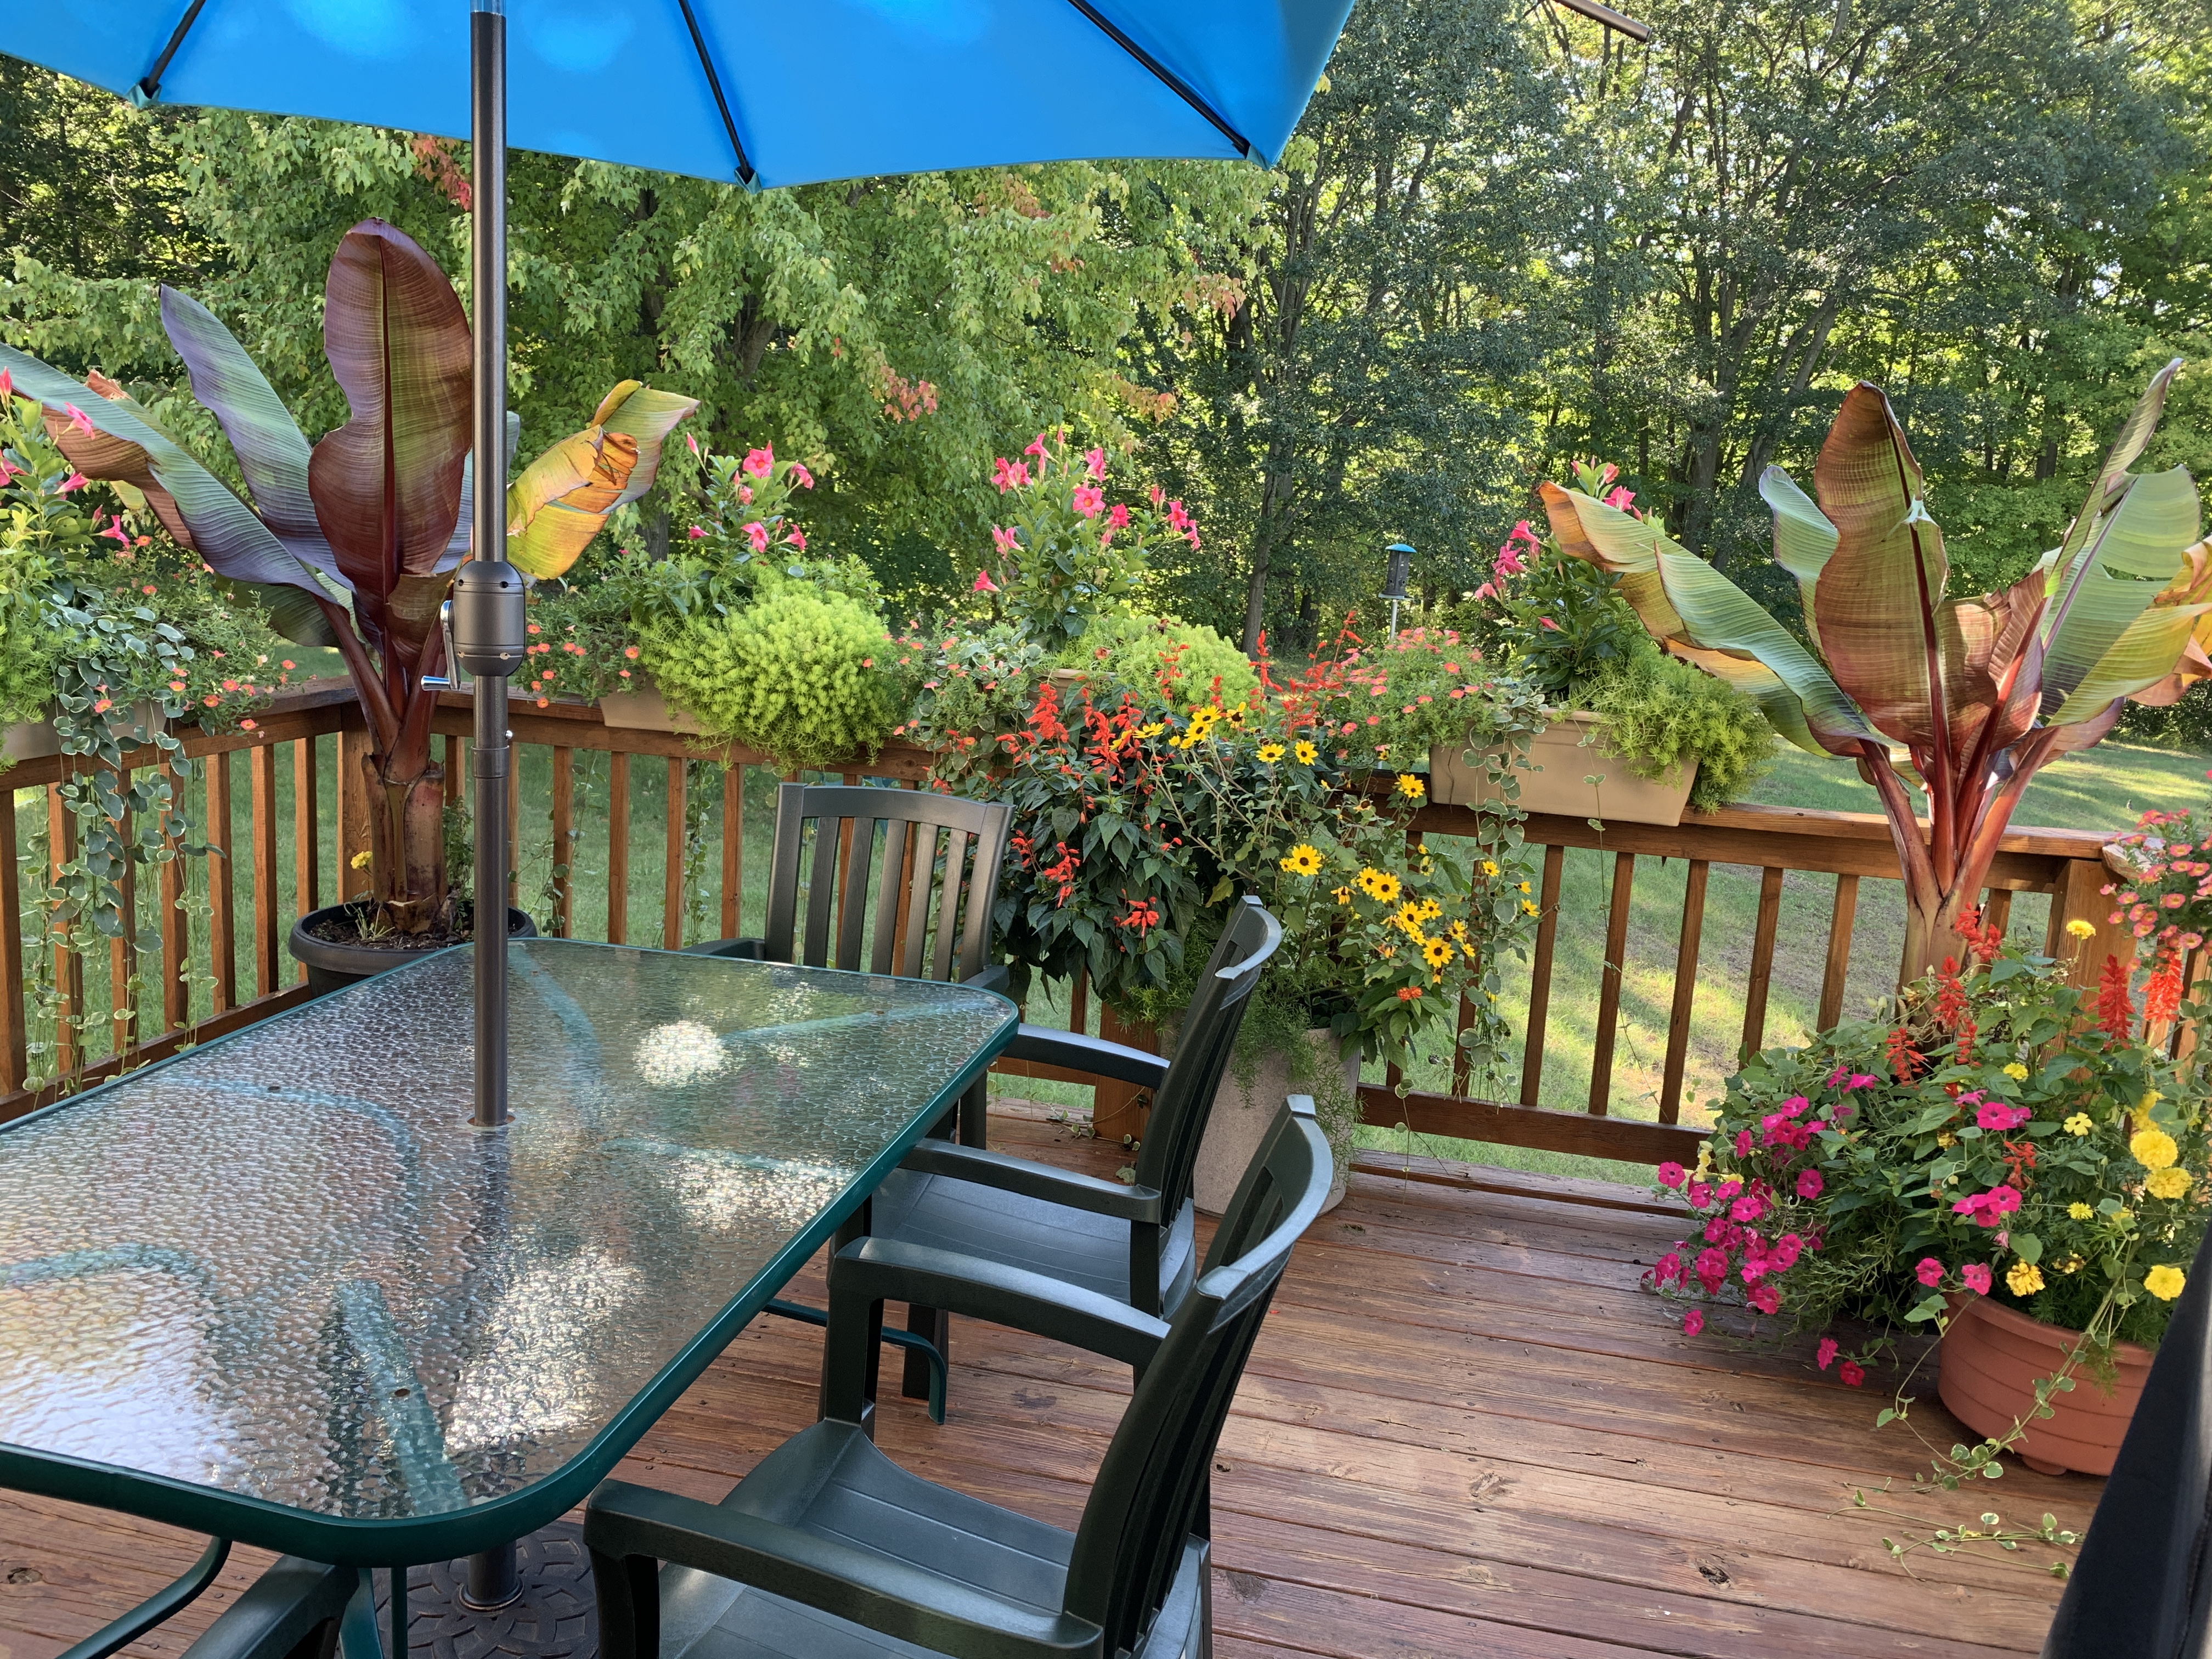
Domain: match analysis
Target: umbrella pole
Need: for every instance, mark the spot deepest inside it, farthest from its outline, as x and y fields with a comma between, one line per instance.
x=490, y=623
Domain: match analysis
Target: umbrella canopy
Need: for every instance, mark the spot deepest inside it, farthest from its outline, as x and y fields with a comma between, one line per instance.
x=760, y=92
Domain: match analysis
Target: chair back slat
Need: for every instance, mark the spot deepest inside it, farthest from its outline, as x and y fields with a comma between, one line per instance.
x=1150, y=1490
x=948, y=909
x=1169, y=1157
x=958, y=891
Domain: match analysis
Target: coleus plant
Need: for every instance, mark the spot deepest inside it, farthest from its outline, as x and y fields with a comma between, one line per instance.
x=352, y=542
x=1979, y=692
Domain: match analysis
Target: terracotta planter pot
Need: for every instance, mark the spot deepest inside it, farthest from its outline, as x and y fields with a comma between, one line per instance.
x=1560, y=762
x=1241, y=1117
x=1989, y=1363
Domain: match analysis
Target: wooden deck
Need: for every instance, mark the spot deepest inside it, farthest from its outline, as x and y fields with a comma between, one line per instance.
x=1465, y=1432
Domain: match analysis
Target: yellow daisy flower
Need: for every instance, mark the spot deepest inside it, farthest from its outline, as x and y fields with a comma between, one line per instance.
x=1529, y=907
x=2025, y=1279
x=1303, y=861
x=1341, y=894
x=1458, y=930
x=1380, y=885
x=1430, y=909
x=1304, y=753
x=1437, y=952
x=1270, y=753
x=1490, y=867
x=1411, y=787
x=2165, y=1282
x=1524, y=886
x=1408, y=921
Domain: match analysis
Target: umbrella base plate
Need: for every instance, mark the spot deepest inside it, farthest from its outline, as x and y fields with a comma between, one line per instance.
x=555, y=1616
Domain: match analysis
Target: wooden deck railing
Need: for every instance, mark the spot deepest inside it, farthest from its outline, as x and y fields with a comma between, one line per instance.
x=253, y=896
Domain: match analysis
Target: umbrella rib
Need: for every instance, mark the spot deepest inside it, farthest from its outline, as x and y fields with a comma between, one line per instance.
x=1166, y=76
x=150, y=84
x=745, y=173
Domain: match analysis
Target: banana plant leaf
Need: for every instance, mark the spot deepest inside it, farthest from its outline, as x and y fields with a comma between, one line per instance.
x=124, y=444
x=2135, y=435
x=387, y=485
x=564, y=497
x=2128, y=558
x=1804, y=540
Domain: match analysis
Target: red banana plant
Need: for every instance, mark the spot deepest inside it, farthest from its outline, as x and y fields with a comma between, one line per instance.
x=353, y=542
x=1978, y=692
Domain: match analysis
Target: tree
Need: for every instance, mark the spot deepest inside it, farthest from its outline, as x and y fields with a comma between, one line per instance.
x=1362, y=391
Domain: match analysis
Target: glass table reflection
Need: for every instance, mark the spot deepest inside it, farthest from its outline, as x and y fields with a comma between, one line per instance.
x=281, y=1290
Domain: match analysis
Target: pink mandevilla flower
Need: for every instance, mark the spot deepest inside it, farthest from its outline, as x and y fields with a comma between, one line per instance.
x=797, y=539
x=1004, y=540
x=1090, y=500
x=801, y=477
x=1118, y=516
x=79, y=419
x=757, y=533
x=695, y=534
x=75, y=481
x=759, y=462
x=1096, y=460
x=983, y=583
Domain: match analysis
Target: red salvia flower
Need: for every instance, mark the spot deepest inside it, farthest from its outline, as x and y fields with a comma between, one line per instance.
x=1903, y=1061
x=2116, y=1009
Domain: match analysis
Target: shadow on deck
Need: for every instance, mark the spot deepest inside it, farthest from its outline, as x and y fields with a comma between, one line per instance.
x=1464, y=1432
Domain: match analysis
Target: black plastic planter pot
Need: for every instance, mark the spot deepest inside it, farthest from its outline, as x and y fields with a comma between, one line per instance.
x=331, y=966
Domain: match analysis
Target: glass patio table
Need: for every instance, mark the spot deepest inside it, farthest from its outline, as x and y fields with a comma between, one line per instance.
x=280, y=1290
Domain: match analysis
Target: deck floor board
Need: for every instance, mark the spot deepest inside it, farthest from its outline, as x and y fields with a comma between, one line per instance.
x=1464, y=1432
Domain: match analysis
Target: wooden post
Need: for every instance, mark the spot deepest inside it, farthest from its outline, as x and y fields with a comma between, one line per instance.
x=1686, y=951
x=1762, y=962
x=2075, y=898
x=69, y=968
x=1539, y=977
x=1841, y=919
x=1114, y=1111
x=353, y=813
x=1608, y=994
x=306, y=839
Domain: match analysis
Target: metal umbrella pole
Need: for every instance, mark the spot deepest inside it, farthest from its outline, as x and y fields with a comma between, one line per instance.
x=490, y=624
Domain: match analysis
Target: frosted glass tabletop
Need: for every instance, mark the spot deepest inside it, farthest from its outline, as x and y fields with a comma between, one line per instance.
x=281, y=1289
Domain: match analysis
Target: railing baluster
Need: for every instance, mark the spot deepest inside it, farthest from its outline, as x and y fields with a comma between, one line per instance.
x=1841, y=920
x=1762, y=961
x=263, y=763
x=671, y=876
x=514, y=824
x=1609, y=996
x=176, y=940
x=1540, y=976
x=1996, y=909
x=69, y=966
x=564, y=842
x=353, y=814
x=122, y=1007
x=733, y=846
x=618, y=849
x=1078, y=1003
x=306, y=834
x=222, y=948
x=14, y=1055
x=1686, y=951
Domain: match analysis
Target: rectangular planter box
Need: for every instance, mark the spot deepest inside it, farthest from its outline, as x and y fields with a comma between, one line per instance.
x=1564, y=756
x=646, y=710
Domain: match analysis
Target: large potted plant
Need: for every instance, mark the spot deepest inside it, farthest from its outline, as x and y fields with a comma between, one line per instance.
x=1980, y=692
x=2011, y=1164
x=352, y=542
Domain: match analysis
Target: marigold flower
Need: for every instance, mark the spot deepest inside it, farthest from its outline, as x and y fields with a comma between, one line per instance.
x=2153, y=1148
x=2168, y=1184
x=2023, y=1279
x=2015, y=1071
x=2080, y=928
x=2079, y=1211
x=2165, y=1281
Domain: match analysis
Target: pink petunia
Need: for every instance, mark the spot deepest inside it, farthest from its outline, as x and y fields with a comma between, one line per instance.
x=1996, y=1115
x=1743, y=1143
x=1976, y=1278
x=1694, y=1322
x=1860, y=1081
x=1749, y=1207
x=1852, y=1372
x=1783, y=1256
x=1930, y=1272
x=1766, y=1299
x=1672, y=1174
x=1809, y=1182
x=1825, y=1355
x=1667, y=1269
x=759, y=462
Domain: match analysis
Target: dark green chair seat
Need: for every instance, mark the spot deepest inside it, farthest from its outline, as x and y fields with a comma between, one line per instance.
x=828, y=1549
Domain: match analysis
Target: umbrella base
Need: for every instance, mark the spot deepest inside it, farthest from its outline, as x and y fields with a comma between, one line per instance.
x=555, y=1616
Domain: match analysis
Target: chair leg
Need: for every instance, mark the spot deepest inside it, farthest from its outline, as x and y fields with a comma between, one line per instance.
x=974, y=1113
x=934, y=1326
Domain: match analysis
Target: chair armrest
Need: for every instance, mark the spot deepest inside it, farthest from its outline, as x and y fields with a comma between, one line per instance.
x=639, y=1525
x=157, y=1608
x=993, y=978
x=1033, y=1180
x=744, y=950
x=1088, y=1054
x=279, y=1610
x=872, y=1270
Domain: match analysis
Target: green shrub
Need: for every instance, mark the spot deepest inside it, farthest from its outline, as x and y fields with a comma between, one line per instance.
x=1163, y=656
x=1661, y=713
x=799, y=676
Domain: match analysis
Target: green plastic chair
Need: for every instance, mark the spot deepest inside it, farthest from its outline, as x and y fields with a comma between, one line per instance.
x=829, y=1550
x=1107, y=1247
x=957, y=848
x=296, y=1610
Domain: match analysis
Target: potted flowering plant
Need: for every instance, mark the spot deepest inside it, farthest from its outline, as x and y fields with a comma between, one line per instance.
x=1634, y=735
x=2163, y=892
x=2008, y=1164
